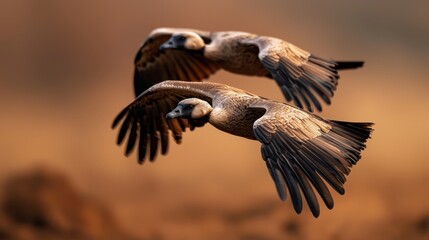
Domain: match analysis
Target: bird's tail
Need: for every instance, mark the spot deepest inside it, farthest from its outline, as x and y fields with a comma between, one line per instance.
x=350, y=138
x=343, y=65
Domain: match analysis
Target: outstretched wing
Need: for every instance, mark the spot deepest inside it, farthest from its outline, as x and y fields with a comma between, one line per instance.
x=301, y=150
x=301, y=75
x=144, y=119
x=153, y=66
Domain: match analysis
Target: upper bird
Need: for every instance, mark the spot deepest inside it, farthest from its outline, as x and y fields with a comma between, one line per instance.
x=192, y=55
x=298, y=147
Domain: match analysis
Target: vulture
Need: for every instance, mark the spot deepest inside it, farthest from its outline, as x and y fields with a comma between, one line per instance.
x=193, y=55
x=302, y=151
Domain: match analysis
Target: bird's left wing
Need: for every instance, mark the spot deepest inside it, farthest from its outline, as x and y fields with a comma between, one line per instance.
x=301, y=149
x=153, y=65
x=144, y=118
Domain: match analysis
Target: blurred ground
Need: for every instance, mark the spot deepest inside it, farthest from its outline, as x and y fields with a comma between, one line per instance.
x=44, y=204
x=66, y=70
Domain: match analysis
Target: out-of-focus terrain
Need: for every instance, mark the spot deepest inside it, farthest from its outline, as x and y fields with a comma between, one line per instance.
x=66, y=70
x=44, y=204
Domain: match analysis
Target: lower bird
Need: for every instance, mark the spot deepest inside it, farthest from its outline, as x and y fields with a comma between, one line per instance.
x=302, y=151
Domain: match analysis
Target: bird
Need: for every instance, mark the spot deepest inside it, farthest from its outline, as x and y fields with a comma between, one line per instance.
x=194, y=55
x=301, y=150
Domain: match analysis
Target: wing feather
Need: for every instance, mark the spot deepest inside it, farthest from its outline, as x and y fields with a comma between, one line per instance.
x=308, y=151
x=144, y=118
x=154, y=134
x=143, y=139
x=277, y=176
x=299, y=74
x=291, y=183
x=124, y=129
x=132, y=137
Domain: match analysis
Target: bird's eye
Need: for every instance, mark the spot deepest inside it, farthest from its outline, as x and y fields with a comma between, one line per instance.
x=182, y=38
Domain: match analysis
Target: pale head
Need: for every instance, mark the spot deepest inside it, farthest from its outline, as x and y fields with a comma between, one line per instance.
x=191, y=108
x=184, y=40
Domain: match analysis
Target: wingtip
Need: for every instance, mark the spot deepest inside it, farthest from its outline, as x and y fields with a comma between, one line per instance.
x=316, y=213
x=281, y=196
x=119, y=117
x=114, y=123
x=298, y=208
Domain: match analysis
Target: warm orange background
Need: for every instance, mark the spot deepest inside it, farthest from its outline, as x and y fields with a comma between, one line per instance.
x=66, y=70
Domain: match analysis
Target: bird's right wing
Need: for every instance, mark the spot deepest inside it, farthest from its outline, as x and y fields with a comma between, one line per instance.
x=300, y=148
x=301, y=75
x=144, y=118
x=153, y=65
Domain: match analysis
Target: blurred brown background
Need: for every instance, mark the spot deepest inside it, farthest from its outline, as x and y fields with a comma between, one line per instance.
x=66, y=70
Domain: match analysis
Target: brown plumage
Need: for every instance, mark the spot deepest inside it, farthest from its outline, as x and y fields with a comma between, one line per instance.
x=300, y=149
x=193, y=55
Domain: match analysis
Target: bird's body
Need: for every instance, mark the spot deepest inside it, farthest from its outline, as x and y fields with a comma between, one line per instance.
x=234, y=52
x=193, y=55
x=231, y=114
x=298, y=147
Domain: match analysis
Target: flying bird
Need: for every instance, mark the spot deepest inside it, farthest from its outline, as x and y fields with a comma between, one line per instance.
x=302, y=151
x=193, y=55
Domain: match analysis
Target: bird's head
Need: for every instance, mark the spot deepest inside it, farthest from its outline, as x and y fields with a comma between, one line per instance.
x=190, y=108
x=184, y=40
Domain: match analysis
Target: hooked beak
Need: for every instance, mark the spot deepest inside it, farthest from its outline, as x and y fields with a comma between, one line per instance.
x=176, y=113
x=169, y=44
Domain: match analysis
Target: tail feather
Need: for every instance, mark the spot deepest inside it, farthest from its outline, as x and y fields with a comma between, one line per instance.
x=354, y=137
x=343, y=65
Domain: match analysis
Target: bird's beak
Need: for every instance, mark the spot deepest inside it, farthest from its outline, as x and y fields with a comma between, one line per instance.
x=169, y=44
x=176, y=113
